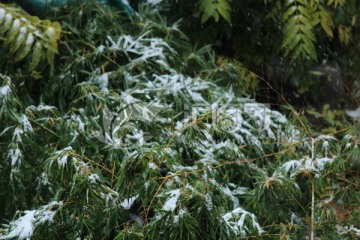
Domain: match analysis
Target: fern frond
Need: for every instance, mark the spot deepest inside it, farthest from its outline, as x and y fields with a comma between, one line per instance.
x=26, y=36
x=344, y=34
x=326, y=20
x=336, y=3
x=299, y=37
x=215, y=9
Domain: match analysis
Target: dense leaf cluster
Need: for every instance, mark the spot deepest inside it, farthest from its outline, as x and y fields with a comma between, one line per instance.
x=82, y=142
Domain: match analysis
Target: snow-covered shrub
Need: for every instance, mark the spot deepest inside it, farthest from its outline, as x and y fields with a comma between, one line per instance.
x=120, y=102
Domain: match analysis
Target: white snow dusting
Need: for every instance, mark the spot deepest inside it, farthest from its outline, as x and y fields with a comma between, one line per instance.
x=24, y=226
x=170, y=204
x=127, y=203
x=236, y=221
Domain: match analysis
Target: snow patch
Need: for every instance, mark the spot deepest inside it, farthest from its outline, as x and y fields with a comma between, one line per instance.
x=170, y=204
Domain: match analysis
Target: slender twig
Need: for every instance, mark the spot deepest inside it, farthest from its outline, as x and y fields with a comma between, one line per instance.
x=45, y=128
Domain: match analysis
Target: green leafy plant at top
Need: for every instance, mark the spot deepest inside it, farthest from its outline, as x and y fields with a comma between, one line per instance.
x=281, y=41
x=25, y=38
x=215, y=9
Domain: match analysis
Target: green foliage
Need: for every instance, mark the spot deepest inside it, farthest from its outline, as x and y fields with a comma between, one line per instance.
x=298, y=30
x=27, y=38
x=80, y=151
x=282, y=41
x=215, y=9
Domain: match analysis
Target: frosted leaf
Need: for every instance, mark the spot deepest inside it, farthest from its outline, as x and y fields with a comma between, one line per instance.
x=8, y=19
x=290, y=165
x=21, y=36
x=294, y=167
x=196, y=97
x=103, y=81
x=324, y=137
x=17, y=135
x=342, y=230
x=63, y=160
x=63, y=150
x=5, y=130
x=321, y=162
x=40, y=107
x=355, y=114
x=226, y=190
x=78, y=120
x=15, y=25
x=93, y=178
x=100, y=49
x=127, y=98
x=5, y=92
x=152, y=166
x=170, y=203
x=50, y=32
x=127, y=203
x=15, y=155
x=153, y=2
x=26, y=124
x=24, y=226
x=208, y=202
x=235, y=220
x=2, y=15
x=179, y=216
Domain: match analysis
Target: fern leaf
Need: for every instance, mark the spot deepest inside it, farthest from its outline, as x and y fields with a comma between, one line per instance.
x=12, y=32
x=326, y=21
x=26, y=48
x=224, y=9
x=309, y=47
x=24, y=34
x=344, y=34
x=21, y=37
x=36, y=55
x=215, y=9
x=308, y=31
x=208, y=9
x=295, y=54
x=299, y=36
x=2, y=16
x=336, y=3
x=289, y=12
x=7, y=23
x=293, y=44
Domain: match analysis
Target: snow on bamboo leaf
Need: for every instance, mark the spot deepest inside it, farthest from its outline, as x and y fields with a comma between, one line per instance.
x=26, y=224
x=171, y=202
x=238, y=221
